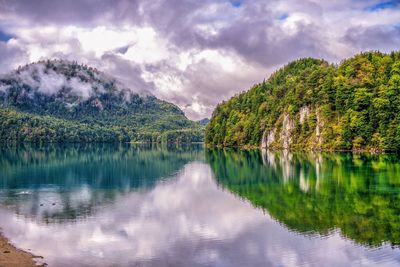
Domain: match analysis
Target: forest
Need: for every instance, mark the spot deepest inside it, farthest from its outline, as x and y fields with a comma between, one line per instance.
x=312, y=104
x=62, y=101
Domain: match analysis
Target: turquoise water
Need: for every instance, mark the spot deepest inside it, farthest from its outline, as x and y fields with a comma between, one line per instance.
x=126, y=205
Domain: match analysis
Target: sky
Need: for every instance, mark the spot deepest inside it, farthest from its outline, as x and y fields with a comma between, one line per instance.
x=193, y=53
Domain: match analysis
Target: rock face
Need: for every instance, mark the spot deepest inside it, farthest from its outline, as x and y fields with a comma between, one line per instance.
x=268, y=138
x=304, y=113
x=318, y=128
x=287, y=128
x=283, y=136
x=264, y=139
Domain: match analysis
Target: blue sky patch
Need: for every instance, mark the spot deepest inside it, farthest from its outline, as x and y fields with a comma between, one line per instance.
x=236, y=3
x=383, y=5
x=4, y=37
x=283, y=17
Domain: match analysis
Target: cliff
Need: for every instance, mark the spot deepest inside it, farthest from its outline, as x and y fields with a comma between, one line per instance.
x=311, y=104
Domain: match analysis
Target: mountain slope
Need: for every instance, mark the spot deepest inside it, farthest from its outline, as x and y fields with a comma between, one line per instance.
x=310, y=103
x=65, y=101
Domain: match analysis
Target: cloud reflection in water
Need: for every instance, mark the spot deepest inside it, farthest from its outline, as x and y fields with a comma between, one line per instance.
x=184, y=221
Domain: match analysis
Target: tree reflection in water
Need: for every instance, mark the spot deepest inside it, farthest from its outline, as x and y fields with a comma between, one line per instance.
x=318, y=192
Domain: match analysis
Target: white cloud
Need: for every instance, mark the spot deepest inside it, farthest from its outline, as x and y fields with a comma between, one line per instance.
x=80, y=88
x=147, y=48
x=49, y=82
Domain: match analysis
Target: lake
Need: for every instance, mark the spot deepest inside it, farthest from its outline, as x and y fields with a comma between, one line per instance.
x=177, y=205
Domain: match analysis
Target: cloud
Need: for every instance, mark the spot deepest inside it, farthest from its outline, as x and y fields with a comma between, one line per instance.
x=168, y=38
x=82, y=89
x=84, y=12
x=48, y=82
x=11, y=56
x=215, y=72
x=370, y=38
x=126, y=71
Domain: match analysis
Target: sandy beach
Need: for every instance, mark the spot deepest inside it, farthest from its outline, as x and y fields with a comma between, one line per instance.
x=11, y=256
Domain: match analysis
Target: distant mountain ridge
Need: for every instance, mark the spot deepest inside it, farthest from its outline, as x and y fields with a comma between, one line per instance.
x=57, y=100
x=204, y=121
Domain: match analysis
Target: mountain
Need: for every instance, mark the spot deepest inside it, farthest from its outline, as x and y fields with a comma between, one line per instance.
x=62, y=101
x=311, y=104
x=204, y=121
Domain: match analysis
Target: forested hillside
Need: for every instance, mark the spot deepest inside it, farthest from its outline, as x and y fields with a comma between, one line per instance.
x=310, y=103
x=61, y=101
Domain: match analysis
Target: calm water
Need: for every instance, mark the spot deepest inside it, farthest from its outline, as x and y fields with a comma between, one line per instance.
x=121, y=205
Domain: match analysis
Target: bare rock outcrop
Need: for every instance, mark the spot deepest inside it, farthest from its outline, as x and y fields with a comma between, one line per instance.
x=268, y=138
x=304, y=113
x=286, y=135
x=282, y=137
x=318, y=127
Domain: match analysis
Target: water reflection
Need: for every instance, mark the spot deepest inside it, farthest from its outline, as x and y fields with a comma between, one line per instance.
x=358, y=194
x=186, y=213
x=65, y=182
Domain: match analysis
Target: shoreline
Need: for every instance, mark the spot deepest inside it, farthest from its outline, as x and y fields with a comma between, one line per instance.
x=12, y=256
x=356, y=151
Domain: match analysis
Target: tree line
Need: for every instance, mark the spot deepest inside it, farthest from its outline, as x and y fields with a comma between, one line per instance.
x=357, y=101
